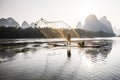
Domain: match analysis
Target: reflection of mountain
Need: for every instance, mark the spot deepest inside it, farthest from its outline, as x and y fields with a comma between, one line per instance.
x=99, y=53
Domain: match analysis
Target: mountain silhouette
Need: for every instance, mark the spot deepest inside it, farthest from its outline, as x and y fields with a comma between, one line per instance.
x=107, y=24
x=93, y=24
x=25, y=24
x=9, y=22
x=79, y=26
x=32, y=25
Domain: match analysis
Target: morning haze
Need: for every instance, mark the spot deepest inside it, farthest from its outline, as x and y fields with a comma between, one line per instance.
x=70, y=11
x=59, y=40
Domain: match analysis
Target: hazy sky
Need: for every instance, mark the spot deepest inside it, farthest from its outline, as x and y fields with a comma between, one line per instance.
x=70, y=11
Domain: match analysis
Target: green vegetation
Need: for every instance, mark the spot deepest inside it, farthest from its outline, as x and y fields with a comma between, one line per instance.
x=22, y=50
x=90, y=34
x=14, y=32
x=15, y=47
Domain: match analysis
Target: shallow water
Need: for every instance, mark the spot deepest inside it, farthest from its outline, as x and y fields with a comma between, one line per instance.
x=47, y=62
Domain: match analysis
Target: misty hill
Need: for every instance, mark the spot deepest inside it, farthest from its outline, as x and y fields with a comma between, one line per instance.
x=93, y=24
x=9, y=22
x=116, y=31
x=25, y=24
x=79, y=26
x=54, y=29
x=32, y=25
x=107, y=24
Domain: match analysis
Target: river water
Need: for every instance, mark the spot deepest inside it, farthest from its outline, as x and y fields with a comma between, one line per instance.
x=48, y=62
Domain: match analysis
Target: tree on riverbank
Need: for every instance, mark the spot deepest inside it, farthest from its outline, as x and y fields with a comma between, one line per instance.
x=18, y=32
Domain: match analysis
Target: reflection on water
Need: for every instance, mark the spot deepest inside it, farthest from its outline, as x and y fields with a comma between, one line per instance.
x=99, y=53
x=69, y=51
x=49, y=62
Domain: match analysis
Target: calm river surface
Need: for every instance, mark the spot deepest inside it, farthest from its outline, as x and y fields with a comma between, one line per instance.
x=55, y=61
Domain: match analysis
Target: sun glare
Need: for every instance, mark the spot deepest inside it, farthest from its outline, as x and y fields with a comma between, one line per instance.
x=85, y=9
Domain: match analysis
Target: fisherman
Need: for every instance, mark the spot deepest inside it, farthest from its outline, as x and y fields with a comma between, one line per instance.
x=68, y=38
